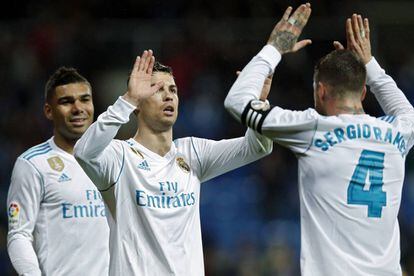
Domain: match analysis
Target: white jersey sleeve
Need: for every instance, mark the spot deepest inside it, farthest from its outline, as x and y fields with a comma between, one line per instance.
x=386, y=91
x=249, y=84
x=293, y=129
x=23, y=201
x=96, y=151
x=218, y=157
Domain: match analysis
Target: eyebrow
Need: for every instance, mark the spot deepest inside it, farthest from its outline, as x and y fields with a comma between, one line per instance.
x=70, y=98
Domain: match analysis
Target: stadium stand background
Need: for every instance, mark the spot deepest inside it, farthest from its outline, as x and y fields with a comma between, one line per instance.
x=250, y=217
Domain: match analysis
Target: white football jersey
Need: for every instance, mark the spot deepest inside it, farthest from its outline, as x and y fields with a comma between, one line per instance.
x=155, y=223
x=351, y=171
x=57, y=223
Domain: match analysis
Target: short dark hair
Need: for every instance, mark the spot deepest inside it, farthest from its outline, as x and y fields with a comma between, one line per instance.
x=343, y=71
x=159, y=67
x=62, y=76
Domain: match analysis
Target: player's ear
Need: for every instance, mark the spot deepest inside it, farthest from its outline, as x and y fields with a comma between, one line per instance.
x=364, y=93
x=321, y=91
x=47, y=109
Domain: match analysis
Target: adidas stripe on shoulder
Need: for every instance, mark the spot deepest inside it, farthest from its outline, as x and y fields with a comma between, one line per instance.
x=37, y=150
x=255, y=113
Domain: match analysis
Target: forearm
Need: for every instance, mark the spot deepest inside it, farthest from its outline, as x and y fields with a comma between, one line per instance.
x=390, y=97
x=98, y=136
x=227, y=155
x=249, y=84
x=23, y=257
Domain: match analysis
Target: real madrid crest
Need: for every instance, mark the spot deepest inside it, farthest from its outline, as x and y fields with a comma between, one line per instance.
x=137, y=152
x=56, y=163
x=183, y=165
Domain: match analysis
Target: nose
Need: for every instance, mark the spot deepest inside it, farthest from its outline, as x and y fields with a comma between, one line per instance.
x=168, y=95
x=76, y=107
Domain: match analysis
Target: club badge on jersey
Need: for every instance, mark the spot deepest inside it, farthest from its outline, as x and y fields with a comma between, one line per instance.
x=56, y=163
x=255, y=113
x=182, y=164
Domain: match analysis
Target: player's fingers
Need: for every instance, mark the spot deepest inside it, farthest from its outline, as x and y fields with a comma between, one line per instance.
x=286, y=15
x=360, y=23
x=151, y=65
x=301, y=44
x=348, y=29
x=350, y=33
x=366, y=28
x=355, y=27
x=156, y=87
x=338, y=46
x=148, y=60
x=143, y=60
x=238, y=73
x=301, y=9
x=136, y=65
x=308, y=12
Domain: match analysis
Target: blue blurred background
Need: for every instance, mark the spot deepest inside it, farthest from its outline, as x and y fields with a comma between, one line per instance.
x=250, y=217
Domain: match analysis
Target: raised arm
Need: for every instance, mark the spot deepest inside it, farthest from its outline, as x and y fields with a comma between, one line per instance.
x=218, y=157
x=248, y=86
x=100, y=158
x=23, y=203
x=386, y=91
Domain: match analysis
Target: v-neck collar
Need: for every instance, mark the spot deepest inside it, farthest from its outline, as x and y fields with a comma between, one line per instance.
x=53, y=145
x=168, y=156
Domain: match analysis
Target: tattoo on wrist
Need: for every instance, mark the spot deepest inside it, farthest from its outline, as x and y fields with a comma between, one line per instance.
x=283, y=41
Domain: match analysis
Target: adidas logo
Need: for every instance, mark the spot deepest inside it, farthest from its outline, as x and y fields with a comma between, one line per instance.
x=64, y=178
x=144, y=166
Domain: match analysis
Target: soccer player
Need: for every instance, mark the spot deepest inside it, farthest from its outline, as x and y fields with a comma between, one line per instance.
x=57, y=223
x=351, y=165
x=150, y=183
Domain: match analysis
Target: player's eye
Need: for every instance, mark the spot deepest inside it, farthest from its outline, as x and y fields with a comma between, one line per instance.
x=86, y=99
x=65, y=102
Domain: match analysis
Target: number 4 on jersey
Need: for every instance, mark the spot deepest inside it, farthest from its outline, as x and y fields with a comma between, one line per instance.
x=370, y=163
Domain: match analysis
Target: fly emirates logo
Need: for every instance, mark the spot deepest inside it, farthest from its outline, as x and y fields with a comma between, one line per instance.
x=168, y=197
x=92, y=207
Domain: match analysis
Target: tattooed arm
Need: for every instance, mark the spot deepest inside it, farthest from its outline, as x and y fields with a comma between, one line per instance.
x=252, y=80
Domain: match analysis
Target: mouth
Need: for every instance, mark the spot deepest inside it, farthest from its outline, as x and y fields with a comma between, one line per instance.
x=78, y=122
x=168, y=111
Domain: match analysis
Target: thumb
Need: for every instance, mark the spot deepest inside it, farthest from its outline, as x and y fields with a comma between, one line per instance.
x=301, y=44
x=338, y=45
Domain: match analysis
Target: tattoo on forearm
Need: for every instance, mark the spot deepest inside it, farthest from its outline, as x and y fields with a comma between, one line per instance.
x=283, y=41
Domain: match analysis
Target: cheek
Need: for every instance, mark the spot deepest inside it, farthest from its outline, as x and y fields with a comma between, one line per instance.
x=90, y=109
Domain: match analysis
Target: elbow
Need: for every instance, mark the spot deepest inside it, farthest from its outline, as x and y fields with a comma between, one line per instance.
x=232, y=107
x=227, y=103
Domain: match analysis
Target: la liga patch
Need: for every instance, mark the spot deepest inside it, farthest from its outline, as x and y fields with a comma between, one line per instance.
x=14, y=214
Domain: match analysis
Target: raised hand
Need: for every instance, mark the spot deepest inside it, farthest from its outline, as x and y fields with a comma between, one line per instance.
x=285, y=34
x=357, y=37
x=139, y=85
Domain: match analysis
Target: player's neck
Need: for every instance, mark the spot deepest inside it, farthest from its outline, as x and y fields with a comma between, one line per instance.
x=63, y=143
x=158, y=142
x=345, y=106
